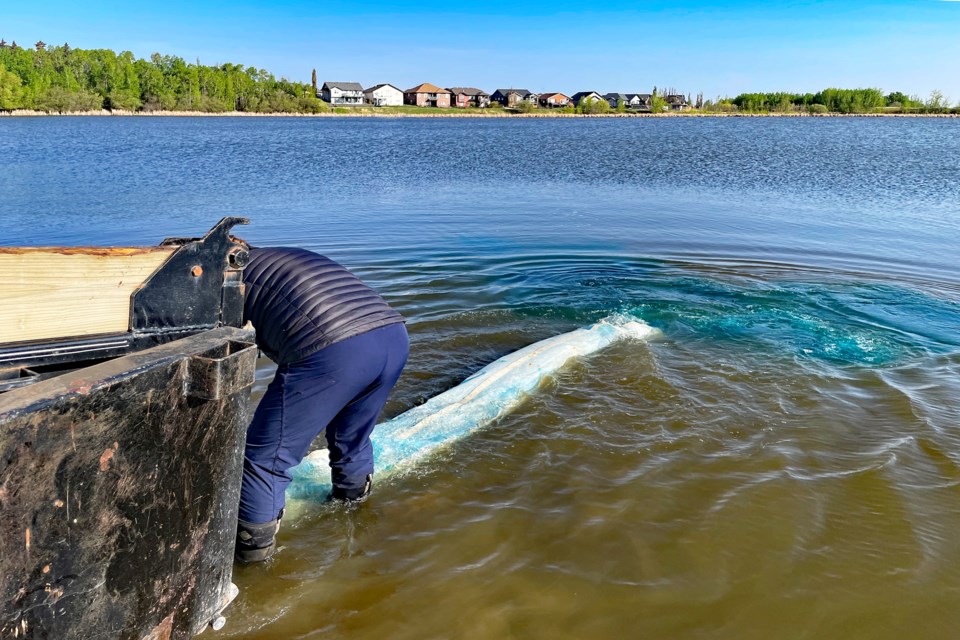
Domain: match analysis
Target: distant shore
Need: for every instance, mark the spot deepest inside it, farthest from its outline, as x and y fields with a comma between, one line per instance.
x=458, y=113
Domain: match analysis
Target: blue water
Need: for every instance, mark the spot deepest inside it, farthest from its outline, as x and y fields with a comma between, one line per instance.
x=797, y=418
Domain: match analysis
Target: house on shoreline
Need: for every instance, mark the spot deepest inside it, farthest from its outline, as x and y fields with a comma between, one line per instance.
x=513, y=97
x=463, y=97
x=430, y=95
x=639, y=101
x=427, y=95
x=553, y=100
x=342, y=93
x=630, y=101
x=616, y=99
x=383, y=95
x=580, y=96
x=677, y=102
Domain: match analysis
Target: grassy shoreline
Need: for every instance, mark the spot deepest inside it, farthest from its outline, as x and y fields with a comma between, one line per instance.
x=456, y=113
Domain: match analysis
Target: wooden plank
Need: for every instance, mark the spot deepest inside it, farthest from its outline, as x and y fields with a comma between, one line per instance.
x=63, y=292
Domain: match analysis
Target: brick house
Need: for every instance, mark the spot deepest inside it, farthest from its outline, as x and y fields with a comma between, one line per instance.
x=463, y=97
x=551, y=100
x=427, y=95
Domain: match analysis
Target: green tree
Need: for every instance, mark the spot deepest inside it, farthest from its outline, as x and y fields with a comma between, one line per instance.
x=64, y=79
x=851, y=100
x=60, y=100
x=11, y=93
x=525, y=106
x=593, y=106
x=765, y=102
x=937, y=102
x=898, y=100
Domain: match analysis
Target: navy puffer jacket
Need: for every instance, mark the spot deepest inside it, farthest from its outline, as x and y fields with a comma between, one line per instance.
x=300, y=302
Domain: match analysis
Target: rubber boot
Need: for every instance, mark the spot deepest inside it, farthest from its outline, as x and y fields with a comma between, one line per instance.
x=256, y=542
x=355, y=494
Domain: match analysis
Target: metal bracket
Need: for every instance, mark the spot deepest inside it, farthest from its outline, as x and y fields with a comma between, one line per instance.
x=219, y=373
x=200, y=286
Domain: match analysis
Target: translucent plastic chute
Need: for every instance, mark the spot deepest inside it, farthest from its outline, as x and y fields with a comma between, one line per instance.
x=485, y=396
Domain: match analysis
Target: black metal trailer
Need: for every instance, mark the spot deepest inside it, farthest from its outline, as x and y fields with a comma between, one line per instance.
x=120, y=460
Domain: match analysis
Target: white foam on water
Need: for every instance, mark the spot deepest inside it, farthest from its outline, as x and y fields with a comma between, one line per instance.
x=485, y=396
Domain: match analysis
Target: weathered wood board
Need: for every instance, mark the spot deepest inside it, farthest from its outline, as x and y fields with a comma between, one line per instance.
x=61, y=292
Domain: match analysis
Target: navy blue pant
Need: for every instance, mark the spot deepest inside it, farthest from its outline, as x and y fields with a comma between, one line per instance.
x=342, y=388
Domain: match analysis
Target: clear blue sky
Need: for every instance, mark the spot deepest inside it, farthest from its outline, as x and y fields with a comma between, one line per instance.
x=719, y=48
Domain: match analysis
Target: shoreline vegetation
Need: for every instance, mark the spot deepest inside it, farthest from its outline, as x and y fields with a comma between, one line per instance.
x=61, y=80
x=432, y=112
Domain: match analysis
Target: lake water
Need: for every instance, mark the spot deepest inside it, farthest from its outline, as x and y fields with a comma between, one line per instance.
x=784, y=462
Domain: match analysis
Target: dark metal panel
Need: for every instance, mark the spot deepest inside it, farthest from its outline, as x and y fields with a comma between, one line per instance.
x=119, y=486
x=186, y=290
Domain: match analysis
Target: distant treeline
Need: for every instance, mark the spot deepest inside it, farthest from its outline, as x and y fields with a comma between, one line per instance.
x=839, y=101
x=61, y=79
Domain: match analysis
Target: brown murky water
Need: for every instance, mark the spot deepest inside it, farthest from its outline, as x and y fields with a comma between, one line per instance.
x=672, y=489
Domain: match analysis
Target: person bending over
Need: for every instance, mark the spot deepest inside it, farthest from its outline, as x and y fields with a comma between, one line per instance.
x=340, y=349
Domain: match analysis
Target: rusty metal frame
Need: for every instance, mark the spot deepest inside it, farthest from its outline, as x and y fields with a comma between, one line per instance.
x=119, y=489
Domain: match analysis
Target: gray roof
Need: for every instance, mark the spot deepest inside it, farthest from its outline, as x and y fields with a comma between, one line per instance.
x=581, y=94
x=642, y=96
x=343, y=86
x=523, y=92
x=469, y=91
x=618, y=96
